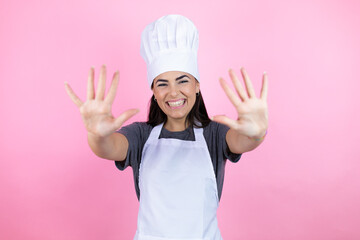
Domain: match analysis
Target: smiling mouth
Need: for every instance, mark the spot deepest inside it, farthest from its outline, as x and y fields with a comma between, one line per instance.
x=178, y=103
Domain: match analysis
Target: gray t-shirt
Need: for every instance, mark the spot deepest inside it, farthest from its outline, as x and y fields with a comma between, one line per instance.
x=138, y=132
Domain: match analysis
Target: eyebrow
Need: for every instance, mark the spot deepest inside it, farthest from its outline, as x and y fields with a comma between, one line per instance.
x=164, y=80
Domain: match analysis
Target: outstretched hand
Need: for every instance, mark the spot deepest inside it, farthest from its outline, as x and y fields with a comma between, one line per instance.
x=252, y=112
x=96, y=110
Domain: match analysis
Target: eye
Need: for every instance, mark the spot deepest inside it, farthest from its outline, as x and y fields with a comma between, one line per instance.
x=184, y=81
x=162, y=85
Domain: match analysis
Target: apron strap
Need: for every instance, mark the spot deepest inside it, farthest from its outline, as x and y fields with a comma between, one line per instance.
x=155, y=132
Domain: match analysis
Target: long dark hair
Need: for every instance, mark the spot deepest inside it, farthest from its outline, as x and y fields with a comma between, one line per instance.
x=198, y=112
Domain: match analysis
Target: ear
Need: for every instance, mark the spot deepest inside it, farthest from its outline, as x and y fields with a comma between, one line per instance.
x=197, y=86
x=154, y=93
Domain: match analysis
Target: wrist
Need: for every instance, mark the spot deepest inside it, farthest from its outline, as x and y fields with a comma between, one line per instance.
x=96, y=137
x=260, y=137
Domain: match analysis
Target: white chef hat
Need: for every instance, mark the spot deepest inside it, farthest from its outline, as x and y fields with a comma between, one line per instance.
x=170, y=44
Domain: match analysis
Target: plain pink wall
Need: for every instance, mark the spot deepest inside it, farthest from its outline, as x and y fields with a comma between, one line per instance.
x=301, y=183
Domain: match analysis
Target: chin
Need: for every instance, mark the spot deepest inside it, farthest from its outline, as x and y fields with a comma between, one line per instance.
x=177, y=116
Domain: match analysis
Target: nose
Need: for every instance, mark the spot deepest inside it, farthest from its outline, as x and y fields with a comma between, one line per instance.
x=174, y=91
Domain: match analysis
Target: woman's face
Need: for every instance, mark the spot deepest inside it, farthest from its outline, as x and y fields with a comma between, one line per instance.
x=175, y=93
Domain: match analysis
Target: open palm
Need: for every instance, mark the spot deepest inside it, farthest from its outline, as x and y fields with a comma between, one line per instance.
x=96, y=110
x=252, y=112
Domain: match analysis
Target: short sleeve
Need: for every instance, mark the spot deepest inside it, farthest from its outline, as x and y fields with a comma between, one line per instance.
x=136, y=134
x=222, y=131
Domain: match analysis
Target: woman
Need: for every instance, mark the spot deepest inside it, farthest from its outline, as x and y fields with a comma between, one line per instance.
x=178, y=156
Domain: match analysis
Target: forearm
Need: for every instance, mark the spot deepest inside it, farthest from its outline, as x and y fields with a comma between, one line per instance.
x=112, y=147
x=239, y=143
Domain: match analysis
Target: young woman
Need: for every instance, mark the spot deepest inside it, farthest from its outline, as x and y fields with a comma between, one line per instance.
x=178, y=156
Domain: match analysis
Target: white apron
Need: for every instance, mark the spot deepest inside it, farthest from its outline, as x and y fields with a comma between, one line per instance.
x=178, y=191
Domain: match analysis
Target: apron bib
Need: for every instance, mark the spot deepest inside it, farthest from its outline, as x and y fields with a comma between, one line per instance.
x=178, y=190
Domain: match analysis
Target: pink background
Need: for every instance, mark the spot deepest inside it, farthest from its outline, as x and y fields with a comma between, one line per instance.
x=301, y=183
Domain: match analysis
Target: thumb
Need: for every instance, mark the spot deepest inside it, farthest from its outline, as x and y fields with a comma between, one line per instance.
x=119, y=121
x=226, y=121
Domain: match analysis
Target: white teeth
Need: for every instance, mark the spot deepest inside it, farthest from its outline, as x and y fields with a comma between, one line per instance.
x=177, y=103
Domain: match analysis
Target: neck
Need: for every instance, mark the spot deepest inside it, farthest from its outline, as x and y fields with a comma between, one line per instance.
x=175, y=125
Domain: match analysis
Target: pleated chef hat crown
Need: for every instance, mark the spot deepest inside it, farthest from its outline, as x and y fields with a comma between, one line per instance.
x=170, y=44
